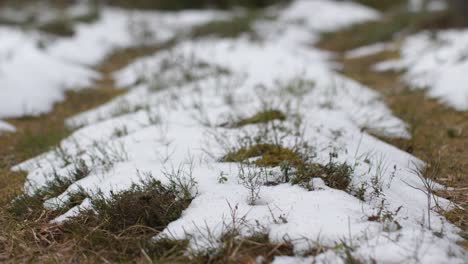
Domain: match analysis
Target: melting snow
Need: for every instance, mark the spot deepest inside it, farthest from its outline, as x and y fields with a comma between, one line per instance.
x=36, y=70
x=438, y=63
x=172, y=122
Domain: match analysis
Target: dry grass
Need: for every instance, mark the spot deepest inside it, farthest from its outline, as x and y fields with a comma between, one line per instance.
x=296, y=168
x=262, y=118
x=36, y=239
x=247, y=250
x=195, y=4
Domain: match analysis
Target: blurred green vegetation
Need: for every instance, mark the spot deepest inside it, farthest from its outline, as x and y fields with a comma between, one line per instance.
x=397, y=17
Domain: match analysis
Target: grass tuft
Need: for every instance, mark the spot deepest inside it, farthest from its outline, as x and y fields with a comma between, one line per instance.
x=269, y=155
x=124, y=223
x=262, y=117
x=149, y=204
x=30, y=206
x=335, y=175
x=195, y=4
x=256, y=248
x=296, y=168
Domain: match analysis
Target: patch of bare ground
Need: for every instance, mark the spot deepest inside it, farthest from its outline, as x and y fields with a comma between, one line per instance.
x=439, y=133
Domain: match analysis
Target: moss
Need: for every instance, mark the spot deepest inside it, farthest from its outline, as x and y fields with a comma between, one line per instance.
x=262, y=117
x=301, y=171
x=270, y=155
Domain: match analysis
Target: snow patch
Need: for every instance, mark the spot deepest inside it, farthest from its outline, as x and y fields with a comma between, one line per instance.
x=437, y=63
x=36, y=71
x=172, y=115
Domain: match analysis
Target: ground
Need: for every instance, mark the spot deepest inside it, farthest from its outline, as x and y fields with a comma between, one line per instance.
x=304, y=165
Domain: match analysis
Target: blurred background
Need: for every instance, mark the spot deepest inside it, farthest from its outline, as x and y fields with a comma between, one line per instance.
x=58, y=16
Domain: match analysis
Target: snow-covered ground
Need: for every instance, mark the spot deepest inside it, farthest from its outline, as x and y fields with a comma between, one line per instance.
x=36, y=69
x=31, y=80
x=171, y=118
x=437, y=62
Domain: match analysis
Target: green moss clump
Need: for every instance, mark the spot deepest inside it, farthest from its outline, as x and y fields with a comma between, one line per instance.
x=270, y=155
x=262, y=117
x=297, y=169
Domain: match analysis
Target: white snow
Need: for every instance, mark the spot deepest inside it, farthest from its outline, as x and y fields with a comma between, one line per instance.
x=36, y=70
x=32, y=80
x=121, y=28
x=178, y=98
x=437, y=63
